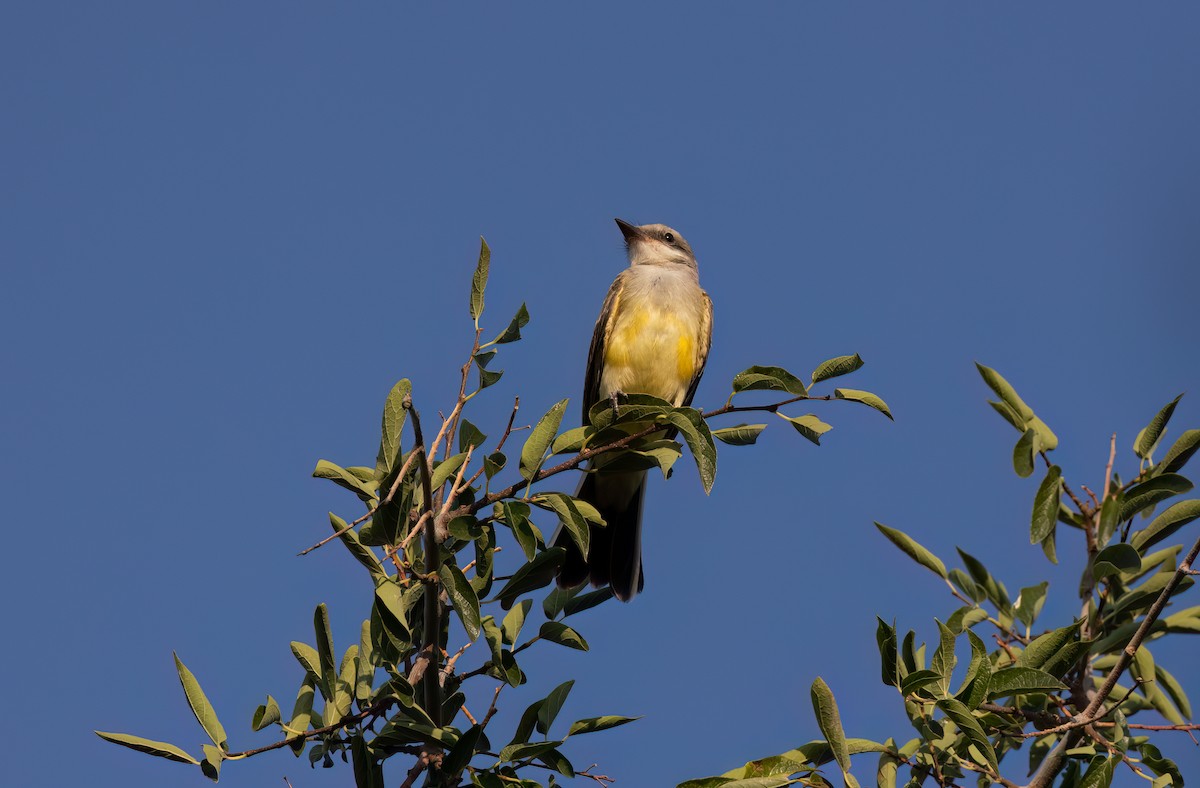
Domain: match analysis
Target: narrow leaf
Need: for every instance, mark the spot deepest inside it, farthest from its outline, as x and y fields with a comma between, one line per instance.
x=914, y=550
x=205, y=714
x=462, y=595
x=266, y=715
x=740, y=435
x=1006, y=392
x=158, y=748
x=836, y=367
x=1150, y=492
x=808, y=425
x=866, y=398
x=966, y=722
x=394, y=416
x=768, y=379
x=560, y=633
x=1014, y=680
x=1167, y=523
x=1024, y=453
x=1179, y=453
x=1148, y=438
x=830, y=722
x=532, y=576
x=1042, y=648
x=540, y=438
x=479, y=280
x=513, y=332
x=1115, y=559
x=554, y=703
x=1045, y=505
x=593, y=724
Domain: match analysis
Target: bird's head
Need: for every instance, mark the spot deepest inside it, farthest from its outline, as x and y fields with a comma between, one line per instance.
x=656, y=244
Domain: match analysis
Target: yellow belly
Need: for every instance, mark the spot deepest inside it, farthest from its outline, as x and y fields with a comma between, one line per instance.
x=650, y=351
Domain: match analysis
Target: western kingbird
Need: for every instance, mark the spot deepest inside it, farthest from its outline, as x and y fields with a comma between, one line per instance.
x=652, y=337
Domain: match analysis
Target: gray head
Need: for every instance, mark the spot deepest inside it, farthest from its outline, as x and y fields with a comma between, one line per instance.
x=656, y=244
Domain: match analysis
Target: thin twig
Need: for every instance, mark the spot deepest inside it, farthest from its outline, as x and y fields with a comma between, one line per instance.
x=375, y=710
x=1112, y=455
x=432, y=623
x=1054, y=761
x=368, y=515
x=511, y=417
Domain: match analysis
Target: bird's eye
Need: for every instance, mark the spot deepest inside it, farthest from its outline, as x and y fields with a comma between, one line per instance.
x=669, y=238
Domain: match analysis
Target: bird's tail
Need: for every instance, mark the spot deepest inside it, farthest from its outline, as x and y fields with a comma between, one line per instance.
x=614, y=550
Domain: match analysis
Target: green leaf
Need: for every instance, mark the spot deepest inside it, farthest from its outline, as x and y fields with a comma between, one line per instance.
x=918, y=680
x=394, y=415
x=1115, y=559
x=965, y=617
x=571, y=441
x=511, y=627
x=885, y=638
x=1149, y=436
x=469, y=435
x=513, y=332
x=1045, y=505
x=389, y=604
x=462, y=752
x=694, y=429
x=211, y=765
x=328, y=668
x=944, y=660
x=1150, y=492
x=361, y=553
x=992, y=587
x=568, y=514
x=266, y=715
x=739, y=435
x=554, y=703
x=343, y=478
x=830, y=722
x=1025, y=453
x=1174, y=690
x=1042, y=648
x=808, y=425
x=494, y=463
x=1179, y=453
x=1110, y=510
x=836, y=367
x=446, y=470
x=582, y=602
x=866, y=398
x=462, y=595
x=479, y=280
x=966, y=722
x=540, y=438
x=560, y=633
x=914, y=550
x=160, y=749
x=1006, y=392
x=885, y=772
x=1100, y=772
x=302, y=711
x=205, y=714
x=1167, y=523
x=519, y=752
x=593, y=724
x=532, y=576
x=488, y=377
x=1029, y=603
x=978, y=680
x=1015, y=680
x=768, y=379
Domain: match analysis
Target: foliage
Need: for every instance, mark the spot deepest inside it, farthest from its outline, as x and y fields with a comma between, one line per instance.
x=1055, y=692
x=427, y=541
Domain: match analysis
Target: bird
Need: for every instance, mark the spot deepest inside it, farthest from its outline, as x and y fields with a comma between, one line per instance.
x=652, y=337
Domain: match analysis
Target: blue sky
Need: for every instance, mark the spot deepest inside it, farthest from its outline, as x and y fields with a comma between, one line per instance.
x=227, y=229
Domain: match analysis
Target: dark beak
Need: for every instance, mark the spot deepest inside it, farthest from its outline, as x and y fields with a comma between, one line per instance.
x=631, y=232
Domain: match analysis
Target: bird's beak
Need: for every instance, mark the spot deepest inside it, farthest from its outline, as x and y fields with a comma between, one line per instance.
x=631, y=232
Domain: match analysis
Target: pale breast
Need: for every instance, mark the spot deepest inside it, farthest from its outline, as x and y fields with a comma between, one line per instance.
x=653, y=346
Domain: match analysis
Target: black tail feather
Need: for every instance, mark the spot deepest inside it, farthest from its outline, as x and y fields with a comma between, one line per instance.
x=614, y=550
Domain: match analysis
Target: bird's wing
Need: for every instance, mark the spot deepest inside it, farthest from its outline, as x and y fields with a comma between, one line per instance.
x=595, y=362
x=702, y=347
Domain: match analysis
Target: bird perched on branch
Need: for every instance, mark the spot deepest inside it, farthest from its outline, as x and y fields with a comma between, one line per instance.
x=652, y=337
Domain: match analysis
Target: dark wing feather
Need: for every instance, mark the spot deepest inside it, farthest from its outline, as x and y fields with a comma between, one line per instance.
x=595, y=362
x=705, y=344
